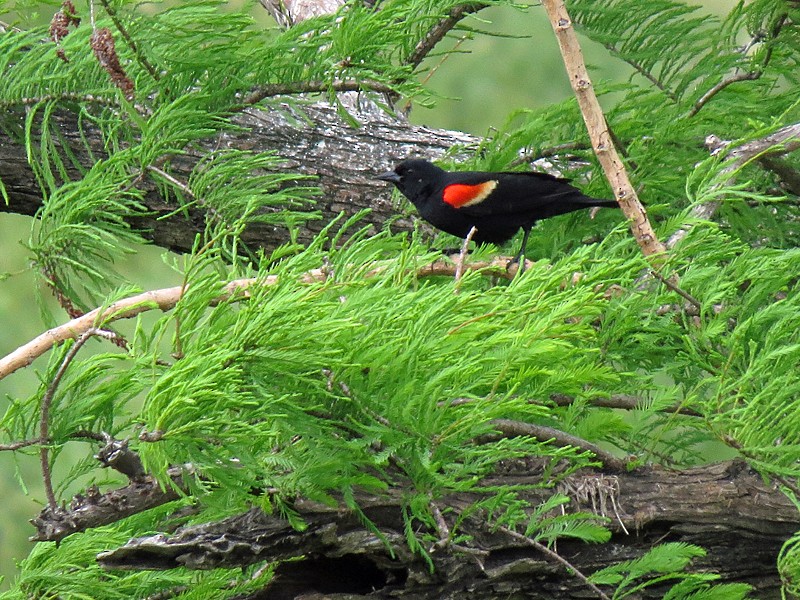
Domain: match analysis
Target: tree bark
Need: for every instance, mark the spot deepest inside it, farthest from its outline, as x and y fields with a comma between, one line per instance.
x=726, y=508
x=313, y=139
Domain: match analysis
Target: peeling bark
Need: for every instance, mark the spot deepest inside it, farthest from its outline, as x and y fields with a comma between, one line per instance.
x=726, y=508
x=313, y=139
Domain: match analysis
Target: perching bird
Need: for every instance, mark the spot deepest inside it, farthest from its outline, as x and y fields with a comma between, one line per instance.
x=496, y=204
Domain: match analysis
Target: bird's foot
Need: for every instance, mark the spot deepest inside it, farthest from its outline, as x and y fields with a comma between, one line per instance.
x=517, y=265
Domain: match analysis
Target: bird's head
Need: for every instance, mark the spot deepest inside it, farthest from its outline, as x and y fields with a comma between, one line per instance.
x=416, y=178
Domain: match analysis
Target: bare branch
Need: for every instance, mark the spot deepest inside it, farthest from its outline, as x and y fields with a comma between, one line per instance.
x=438, y=31
x=646, y=73
x=463, y=254
x=555, y=556
x=675, y=288
x=94, y=509
x=784, y=140
x=743, y=75
x=598, y=130
x=721, y=85
x=166, y=299
x=13, y=446
x=510, y=428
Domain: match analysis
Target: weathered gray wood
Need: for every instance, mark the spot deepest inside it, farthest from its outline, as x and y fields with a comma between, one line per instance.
x=314, y=140
x=726, y=508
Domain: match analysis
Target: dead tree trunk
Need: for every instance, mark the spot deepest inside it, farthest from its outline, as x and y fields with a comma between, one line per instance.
x=725, y=508
x=313, y=139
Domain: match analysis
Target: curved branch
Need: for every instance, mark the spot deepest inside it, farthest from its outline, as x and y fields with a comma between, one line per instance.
x=44, y=417
x=784, y=140
x=509, y=428
x=166, y=299
x=716, y=506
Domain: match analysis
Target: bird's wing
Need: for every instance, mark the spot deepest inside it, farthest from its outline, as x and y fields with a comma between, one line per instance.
x=479, y=194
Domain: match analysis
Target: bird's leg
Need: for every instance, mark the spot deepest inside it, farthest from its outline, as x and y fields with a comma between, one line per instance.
x=520, y=256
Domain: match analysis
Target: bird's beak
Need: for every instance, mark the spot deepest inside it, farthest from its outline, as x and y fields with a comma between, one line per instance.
x=389, y=176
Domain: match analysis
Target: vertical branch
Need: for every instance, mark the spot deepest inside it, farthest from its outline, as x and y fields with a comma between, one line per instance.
x=598, y=129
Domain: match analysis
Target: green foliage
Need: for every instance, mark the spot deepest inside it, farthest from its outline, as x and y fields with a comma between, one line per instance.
x=70, y=568
x=374, y=376
x=789, y=564
x=664, y=564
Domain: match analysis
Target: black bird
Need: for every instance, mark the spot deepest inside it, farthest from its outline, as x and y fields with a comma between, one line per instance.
x=496, y=204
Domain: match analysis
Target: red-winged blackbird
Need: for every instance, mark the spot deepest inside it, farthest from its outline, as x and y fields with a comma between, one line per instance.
x=496, y=204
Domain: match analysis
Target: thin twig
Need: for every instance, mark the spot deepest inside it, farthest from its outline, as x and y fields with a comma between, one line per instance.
x=555, y=556
x=742, y=75
x=13, y=446
x=81, y=434
x=642, y=71
x=682, y=293
x=184, y=187
x=721, y=85
x=314, y=87
x=620, y=401
x=510, y=428
x=137, y=52
x=438, y=31
x=441, y=526
x=44, y=419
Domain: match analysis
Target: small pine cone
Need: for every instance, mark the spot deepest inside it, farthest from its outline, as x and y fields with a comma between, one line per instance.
x=103, y=46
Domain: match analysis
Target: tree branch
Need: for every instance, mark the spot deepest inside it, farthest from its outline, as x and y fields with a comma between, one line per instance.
x=646, y=73
x=44, y=417
x=166, y=299
x=305, y=136
x=555, y=556
x=721, y=85
x=784, y=140
x=509, y=428
x=743, y=75
x=314, y=87
x=94, y=509
x=597, y=127
x=438, y=31
x=716, y=506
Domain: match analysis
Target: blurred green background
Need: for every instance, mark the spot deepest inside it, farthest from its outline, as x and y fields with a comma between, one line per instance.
x=478, y=87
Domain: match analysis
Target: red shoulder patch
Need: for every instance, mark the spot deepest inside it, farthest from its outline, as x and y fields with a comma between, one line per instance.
x=459, y=195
